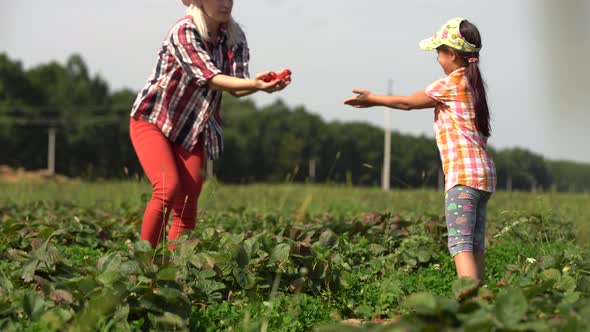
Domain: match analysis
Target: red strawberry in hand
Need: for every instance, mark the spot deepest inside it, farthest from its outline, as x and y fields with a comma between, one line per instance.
x=272, y=76
x=269, y=77
x=285, y=74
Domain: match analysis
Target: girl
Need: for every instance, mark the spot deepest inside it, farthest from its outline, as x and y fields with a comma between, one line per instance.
x=462, y=128
x=175, y=121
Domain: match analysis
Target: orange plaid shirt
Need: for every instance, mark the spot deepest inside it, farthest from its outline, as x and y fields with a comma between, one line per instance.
x=463, y=149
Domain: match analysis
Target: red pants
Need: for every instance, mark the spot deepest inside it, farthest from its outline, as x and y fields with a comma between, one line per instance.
x=176, y=175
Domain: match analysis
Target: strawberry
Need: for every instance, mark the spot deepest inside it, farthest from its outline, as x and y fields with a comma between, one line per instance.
x=272, y=76
x=269, y=77
x=285, y=74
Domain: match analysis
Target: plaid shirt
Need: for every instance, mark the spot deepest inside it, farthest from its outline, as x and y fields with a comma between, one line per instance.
x=177, y=98
x=463, y=149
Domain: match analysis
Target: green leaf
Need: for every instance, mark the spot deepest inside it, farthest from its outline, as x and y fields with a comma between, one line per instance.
x=536, y=290
x=211, y=287
x=229, y=238
x=480, y=320
x=423, y=303
x=536, y=326
x=6, y=308
x=203, y=259
x=83, y=284
x=511, y=306
x=143, y=246
x=512, y=268
x=328, y=239
x=208, y=233
x=411, y=261
x=465, y=287
x=551, y=274
x=363, y=310
x=238, y=254
x=570, y=298
x=28, y=271
x=47, y=252
x=55, y=318
x=423, y=255
x=5, y=283
x=175, y=297
x=167, y=273
x=244, y=278
x=280, y=253
x=547, y=262
x=206, y=274
x=168, y=322
x=251, y=246
x=144, y=279
x=153, y=302
x=121, y=314
x=584, y=284
x=566, y=284
x=243, y=258
x=33, y=305
x=109, y=277
x=447, y=305
x=130, y=267
x=375, y=249
x=469, y=306
x=18, y=255
x=110, y=262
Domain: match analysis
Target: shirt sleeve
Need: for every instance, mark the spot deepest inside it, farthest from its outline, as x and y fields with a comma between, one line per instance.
x=439, y=90
x=189, y=50
x=238, y=62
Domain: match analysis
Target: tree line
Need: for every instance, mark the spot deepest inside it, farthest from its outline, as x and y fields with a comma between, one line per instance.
x=274, y=143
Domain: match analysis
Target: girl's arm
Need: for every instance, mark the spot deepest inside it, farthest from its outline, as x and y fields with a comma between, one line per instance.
x=366, y=99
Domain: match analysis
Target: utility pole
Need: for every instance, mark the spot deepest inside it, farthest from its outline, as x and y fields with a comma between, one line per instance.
x=385, y=181
x=441, y=179
x=51, y=151
x=209, y=168
x=312, y=170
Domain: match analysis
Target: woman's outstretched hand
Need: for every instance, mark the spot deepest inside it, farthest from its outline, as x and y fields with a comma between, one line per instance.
x=272, y=86
x=362, y=100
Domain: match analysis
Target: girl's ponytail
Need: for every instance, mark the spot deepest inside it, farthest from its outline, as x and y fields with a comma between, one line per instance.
x=476, y=83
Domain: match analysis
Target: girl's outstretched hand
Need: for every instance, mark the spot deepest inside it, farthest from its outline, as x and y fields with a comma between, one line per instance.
x=362, y=100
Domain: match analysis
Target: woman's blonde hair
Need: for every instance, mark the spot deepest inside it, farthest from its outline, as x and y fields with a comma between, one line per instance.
x=235, y=35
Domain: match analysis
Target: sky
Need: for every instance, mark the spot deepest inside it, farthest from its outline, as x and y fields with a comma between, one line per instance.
x=534, y=57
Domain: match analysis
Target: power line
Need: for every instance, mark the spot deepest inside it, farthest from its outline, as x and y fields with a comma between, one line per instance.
x=60, y=122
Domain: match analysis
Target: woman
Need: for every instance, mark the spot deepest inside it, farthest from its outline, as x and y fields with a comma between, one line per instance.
x=175, y=121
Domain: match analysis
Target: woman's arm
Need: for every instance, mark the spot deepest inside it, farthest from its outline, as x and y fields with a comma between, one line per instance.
x=282, y=84
x=193, y=57
x=196, y=61
x=418, y=100
x=240, y=87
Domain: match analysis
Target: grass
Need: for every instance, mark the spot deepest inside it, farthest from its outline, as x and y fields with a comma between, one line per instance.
x=373, y=290
x=288, y=198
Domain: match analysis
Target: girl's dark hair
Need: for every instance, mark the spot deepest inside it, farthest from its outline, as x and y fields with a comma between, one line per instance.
x=476, y=83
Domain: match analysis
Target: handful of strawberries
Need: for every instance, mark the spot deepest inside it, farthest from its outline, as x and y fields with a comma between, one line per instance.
x=272, y=76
